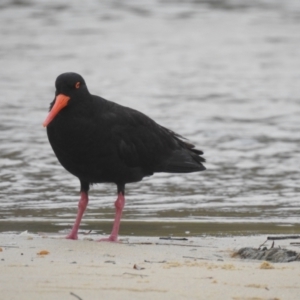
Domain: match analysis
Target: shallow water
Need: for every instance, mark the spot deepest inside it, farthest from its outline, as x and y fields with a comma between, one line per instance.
x=222, y=73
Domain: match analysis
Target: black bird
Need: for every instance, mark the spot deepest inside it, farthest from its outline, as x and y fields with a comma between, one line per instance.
x=100, y=141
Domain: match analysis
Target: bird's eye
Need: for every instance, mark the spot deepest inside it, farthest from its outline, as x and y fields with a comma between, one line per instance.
x=77, y=85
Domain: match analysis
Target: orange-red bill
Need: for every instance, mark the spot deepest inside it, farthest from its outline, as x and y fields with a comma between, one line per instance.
x=60, y=102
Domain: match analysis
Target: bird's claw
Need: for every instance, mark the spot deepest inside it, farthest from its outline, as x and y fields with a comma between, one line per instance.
x=109, y=239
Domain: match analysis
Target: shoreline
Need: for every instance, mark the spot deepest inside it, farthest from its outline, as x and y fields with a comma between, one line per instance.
x=141, y=268
x=147, y=228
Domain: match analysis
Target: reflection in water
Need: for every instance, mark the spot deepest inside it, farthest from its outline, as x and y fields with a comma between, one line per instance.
x=222, y=73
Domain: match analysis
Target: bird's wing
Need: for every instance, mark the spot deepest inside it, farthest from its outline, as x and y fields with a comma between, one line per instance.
x=141, y=142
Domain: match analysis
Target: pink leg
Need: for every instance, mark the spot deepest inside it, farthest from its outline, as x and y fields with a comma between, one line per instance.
x=119, y=204
x=82, y=204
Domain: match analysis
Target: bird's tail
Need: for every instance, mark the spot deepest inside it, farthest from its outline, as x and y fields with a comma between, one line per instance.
x=184, y=161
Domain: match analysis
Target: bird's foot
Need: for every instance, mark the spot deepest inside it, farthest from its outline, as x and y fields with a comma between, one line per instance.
x=72, y=236
x=109, y=239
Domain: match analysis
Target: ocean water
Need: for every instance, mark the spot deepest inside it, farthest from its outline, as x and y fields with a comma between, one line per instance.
x=224, y=74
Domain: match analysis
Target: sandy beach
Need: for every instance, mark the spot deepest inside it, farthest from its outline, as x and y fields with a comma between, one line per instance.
x=50, y=267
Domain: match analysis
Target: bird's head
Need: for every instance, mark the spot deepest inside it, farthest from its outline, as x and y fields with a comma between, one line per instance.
x=68, y=85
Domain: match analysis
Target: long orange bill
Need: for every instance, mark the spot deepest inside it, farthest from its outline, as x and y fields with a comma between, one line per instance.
x=60, y=102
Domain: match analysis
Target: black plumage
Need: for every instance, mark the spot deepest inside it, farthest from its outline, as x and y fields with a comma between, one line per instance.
x=100, y=141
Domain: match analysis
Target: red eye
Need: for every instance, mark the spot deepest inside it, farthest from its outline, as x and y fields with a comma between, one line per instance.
x=77, y=85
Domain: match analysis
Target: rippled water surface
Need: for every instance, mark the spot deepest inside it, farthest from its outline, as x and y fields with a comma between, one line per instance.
x=222, y=73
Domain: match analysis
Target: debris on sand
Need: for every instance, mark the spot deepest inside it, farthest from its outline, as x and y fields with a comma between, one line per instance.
x=272, y=254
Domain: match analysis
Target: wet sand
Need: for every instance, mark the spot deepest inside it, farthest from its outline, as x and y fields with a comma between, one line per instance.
x=49, y=267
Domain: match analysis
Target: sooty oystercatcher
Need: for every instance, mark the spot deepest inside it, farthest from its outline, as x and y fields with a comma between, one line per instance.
x=100, y=141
